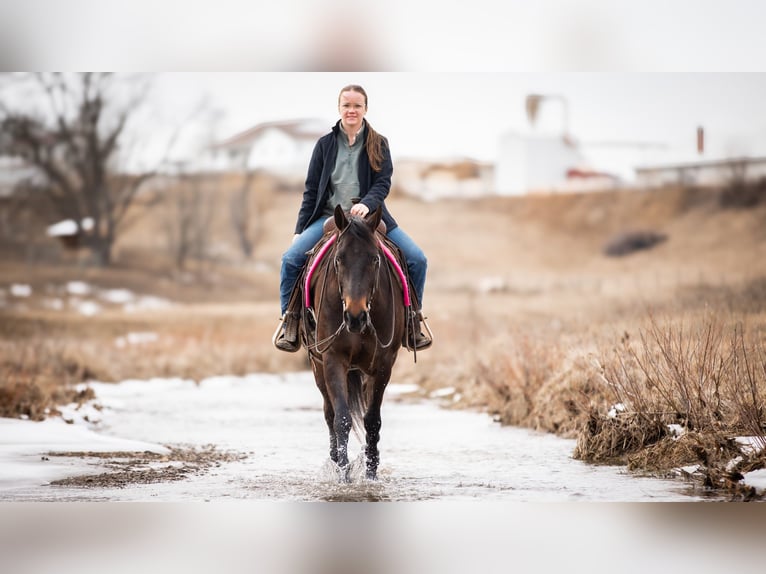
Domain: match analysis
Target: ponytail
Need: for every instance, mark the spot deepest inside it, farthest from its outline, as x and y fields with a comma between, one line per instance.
x=374, y=144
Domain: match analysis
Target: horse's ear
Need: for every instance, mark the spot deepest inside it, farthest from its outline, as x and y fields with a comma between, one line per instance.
x=341, y=222
x=373, y=219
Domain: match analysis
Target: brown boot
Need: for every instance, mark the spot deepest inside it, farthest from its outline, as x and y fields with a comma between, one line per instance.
x=287, y=338
x=420, y=340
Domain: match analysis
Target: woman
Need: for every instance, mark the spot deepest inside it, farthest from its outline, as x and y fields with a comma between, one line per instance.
x=352, y=161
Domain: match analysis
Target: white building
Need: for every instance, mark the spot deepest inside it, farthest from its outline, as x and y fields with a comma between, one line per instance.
x=282, y=148
x=530, y=163
x=546, y=158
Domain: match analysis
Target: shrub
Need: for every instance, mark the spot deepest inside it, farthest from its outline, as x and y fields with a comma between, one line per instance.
x=630, y=241
x=743, y=194
x=685, y=394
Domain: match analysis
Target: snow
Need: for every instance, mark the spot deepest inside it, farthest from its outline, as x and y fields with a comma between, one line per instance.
x=676, y=430
x=147, y=303
x=615, y=409
x=81, y=413
x=139, y=338
x=69, y=227
x=21, y=290
x=88, y=308
x=78, y=288
x=86, y=299
x=401, y=389
x=691, y=469
x=118, y=296
x=756, y=478
x=24, y=444
x=751, y=444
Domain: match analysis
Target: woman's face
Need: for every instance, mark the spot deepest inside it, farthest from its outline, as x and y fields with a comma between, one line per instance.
x=352, y=109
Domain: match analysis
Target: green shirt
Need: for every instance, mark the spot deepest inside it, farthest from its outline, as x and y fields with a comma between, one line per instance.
x=344, y=181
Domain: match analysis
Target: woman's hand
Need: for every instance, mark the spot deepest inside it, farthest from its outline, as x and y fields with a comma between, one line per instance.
x=360, y=210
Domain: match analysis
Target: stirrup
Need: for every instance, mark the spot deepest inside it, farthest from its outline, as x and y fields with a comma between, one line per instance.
x=279, y=340
x=429, y=334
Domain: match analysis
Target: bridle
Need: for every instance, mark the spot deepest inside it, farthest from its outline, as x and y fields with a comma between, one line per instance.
x=373, y=289
x=321, y=346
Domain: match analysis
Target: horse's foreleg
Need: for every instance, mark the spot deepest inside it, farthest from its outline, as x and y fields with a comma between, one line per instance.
x=329, y=417
x=329, y=413
x=335, y=375
x=373, y=422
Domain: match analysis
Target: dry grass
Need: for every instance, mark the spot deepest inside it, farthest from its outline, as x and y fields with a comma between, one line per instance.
x=43, y=356
x=684, y=393
x=36, y=378
x=513, y=375
x=534, y=383
x=709, y=377
x=675, y=395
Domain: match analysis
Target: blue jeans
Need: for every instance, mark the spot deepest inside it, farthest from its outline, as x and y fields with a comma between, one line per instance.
x=295, y=257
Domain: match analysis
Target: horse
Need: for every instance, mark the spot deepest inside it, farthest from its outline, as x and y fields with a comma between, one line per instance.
x=354, y=325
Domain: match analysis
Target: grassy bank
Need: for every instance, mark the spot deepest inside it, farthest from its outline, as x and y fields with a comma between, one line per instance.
x=674, y=396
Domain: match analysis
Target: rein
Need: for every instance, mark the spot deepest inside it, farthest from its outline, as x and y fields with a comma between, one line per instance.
x=393, y=320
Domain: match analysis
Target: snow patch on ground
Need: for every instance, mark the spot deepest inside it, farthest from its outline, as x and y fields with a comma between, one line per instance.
x=21, y=290
x=138, y=338
x=25, y=444
x=756, y=479
x=615, y=410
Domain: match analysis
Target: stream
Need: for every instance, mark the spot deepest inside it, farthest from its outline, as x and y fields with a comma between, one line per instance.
x=428, y=452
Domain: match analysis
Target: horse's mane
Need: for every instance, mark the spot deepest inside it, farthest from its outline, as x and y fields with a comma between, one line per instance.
x=358, y=229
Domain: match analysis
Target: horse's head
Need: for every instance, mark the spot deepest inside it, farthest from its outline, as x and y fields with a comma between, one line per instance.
x=357, y=262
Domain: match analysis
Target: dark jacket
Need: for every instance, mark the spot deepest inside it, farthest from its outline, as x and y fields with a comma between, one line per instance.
x=373, y=186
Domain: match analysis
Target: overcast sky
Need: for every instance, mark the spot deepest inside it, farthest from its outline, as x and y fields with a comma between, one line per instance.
x=464, y=114
x=459, y=72
x=405, y=35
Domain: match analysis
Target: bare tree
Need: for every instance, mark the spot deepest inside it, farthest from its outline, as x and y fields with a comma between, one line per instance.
x=74, y=145
x=188, y=217
x=243, y=216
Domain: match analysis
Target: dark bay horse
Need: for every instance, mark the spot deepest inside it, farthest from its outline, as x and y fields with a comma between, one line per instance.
x=353, y=331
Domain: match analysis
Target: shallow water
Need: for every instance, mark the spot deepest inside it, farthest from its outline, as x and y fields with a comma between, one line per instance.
x=427, y=452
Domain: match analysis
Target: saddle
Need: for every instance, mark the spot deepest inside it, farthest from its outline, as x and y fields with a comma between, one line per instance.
x=300, y=300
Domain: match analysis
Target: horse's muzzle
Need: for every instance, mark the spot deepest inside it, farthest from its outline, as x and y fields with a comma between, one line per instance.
x=356, y=323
